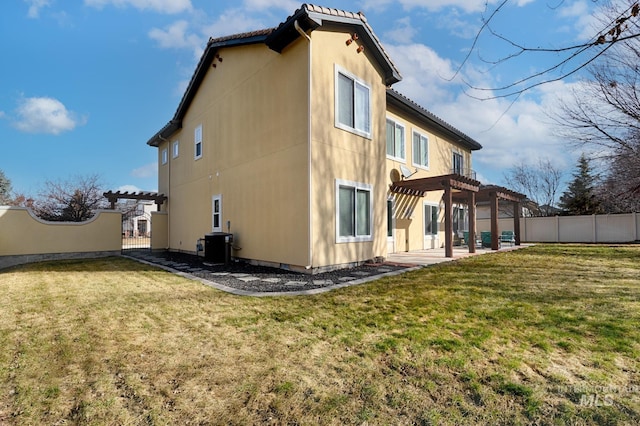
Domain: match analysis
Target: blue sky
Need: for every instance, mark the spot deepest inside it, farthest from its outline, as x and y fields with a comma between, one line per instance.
x=86, y=83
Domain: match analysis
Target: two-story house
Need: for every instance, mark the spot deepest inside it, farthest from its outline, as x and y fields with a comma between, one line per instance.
x=292, y=139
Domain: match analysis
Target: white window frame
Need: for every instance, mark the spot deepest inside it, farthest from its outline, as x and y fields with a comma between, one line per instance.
x=357, y=82
x=197, y=140
x=424, y=219
x=391, y=220
x=356, y=186
x=164, y=156
x=217, y=198
x=454, y=153
x=396, y=125
x=414, y=155
x=175, y=149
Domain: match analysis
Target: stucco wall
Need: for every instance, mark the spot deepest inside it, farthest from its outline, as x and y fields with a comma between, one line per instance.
x=253, y=110
x=25, y=238
x=409, y=210
x=159, y=231
x=340, y=154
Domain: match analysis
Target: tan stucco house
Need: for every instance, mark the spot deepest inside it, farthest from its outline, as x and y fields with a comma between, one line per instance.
x=292, y=139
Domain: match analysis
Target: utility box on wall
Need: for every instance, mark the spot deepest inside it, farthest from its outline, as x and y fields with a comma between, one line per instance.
x=217, y=247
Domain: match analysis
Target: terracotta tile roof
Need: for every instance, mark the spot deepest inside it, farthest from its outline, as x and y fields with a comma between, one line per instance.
x=431, y=117
x=241, y=36
x=310, y=17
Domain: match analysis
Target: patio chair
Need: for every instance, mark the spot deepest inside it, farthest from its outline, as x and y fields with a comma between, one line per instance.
x=485, y=237
x=508, y=237
x=478, y=242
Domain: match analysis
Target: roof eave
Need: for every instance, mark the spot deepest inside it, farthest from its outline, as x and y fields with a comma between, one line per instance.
x=399, y=101
x=169, y=129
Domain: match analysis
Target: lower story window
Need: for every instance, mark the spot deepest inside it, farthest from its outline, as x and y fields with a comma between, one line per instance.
x=430, y=220
x=353, y=211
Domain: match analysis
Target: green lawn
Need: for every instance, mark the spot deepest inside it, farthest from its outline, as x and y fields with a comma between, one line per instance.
x=548, y=335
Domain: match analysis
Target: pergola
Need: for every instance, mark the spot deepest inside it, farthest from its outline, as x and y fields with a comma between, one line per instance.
x=462, y=189
x=113, y=197
x=493, y=194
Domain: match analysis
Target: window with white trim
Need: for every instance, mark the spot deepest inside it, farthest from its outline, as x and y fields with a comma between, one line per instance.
x=420, y=150
x=353, y=211
x=353, y=104
x=216, y=208
x=165, y=156
x=457, y=163
x=430, y=220
x=395, y=140
x=197, y=142
x=175, y=149
x=390, y=218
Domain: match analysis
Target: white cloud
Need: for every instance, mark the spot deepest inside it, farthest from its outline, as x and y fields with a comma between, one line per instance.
x=161, y=6
x=422, y=70
x=232, y=21
x=288, y=5
x=176, y=36
x=35, y=6
x=402, y=32
x=128, y=188
x=468, y=6
x=45, y=115
x=509, y=133
x=146, y=171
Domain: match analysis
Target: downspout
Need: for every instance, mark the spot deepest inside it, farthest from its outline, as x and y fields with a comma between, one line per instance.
x=309, y=170
x=166, y=207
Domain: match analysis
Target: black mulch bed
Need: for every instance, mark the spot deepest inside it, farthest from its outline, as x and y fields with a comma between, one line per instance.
x=237, y=274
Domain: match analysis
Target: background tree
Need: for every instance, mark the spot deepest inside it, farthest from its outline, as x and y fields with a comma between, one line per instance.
x=618, y=23
x=5, y=189
x=619, y=191
x=540, y=183
x=73, y=200
x=580, y=197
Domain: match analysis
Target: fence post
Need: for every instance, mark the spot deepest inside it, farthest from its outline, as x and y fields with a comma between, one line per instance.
x=594, y=227
x=557, y=229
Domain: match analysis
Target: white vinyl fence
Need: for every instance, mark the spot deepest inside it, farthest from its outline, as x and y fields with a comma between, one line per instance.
x=610, y=228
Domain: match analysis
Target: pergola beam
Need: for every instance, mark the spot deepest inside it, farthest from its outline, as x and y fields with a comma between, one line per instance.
x=113, y=197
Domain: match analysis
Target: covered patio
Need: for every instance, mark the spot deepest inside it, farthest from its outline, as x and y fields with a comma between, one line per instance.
x=464, y=190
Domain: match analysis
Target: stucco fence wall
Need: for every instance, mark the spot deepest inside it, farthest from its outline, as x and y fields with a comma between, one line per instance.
x=610, y=228
x=24, y=238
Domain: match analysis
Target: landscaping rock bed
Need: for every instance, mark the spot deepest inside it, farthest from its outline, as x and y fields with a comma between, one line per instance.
x=260, y=279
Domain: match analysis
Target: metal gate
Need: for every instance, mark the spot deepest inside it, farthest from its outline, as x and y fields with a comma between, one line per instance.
x=136, y=230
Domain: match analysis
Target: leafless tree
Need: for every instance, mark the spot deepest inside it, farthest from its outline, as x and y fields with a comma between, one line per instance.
x=540, y=183
x=619, y=191
x=603, y=117
x=72, y=200
x=618, y=25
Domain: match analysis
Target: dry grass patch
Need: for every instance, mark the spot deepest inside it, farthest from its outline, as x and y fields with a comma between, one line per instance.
x=545, y=335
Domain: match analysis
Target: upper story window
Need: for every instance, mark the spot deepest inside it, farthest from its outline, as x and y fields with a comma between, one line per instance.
x=395, y=140
x=420, y=150
x=353, y=104
x=165, y=156
x=197, y=142
x=175, y=149
x=457, y=165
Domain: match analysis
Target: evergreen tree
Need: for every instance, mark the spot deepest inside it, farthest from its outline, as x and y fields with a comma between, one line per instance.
x=580, y=197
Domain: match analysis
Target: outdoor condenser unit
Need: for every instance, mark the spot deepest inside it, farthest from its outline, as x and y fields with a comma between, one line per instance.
x=217, y=247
